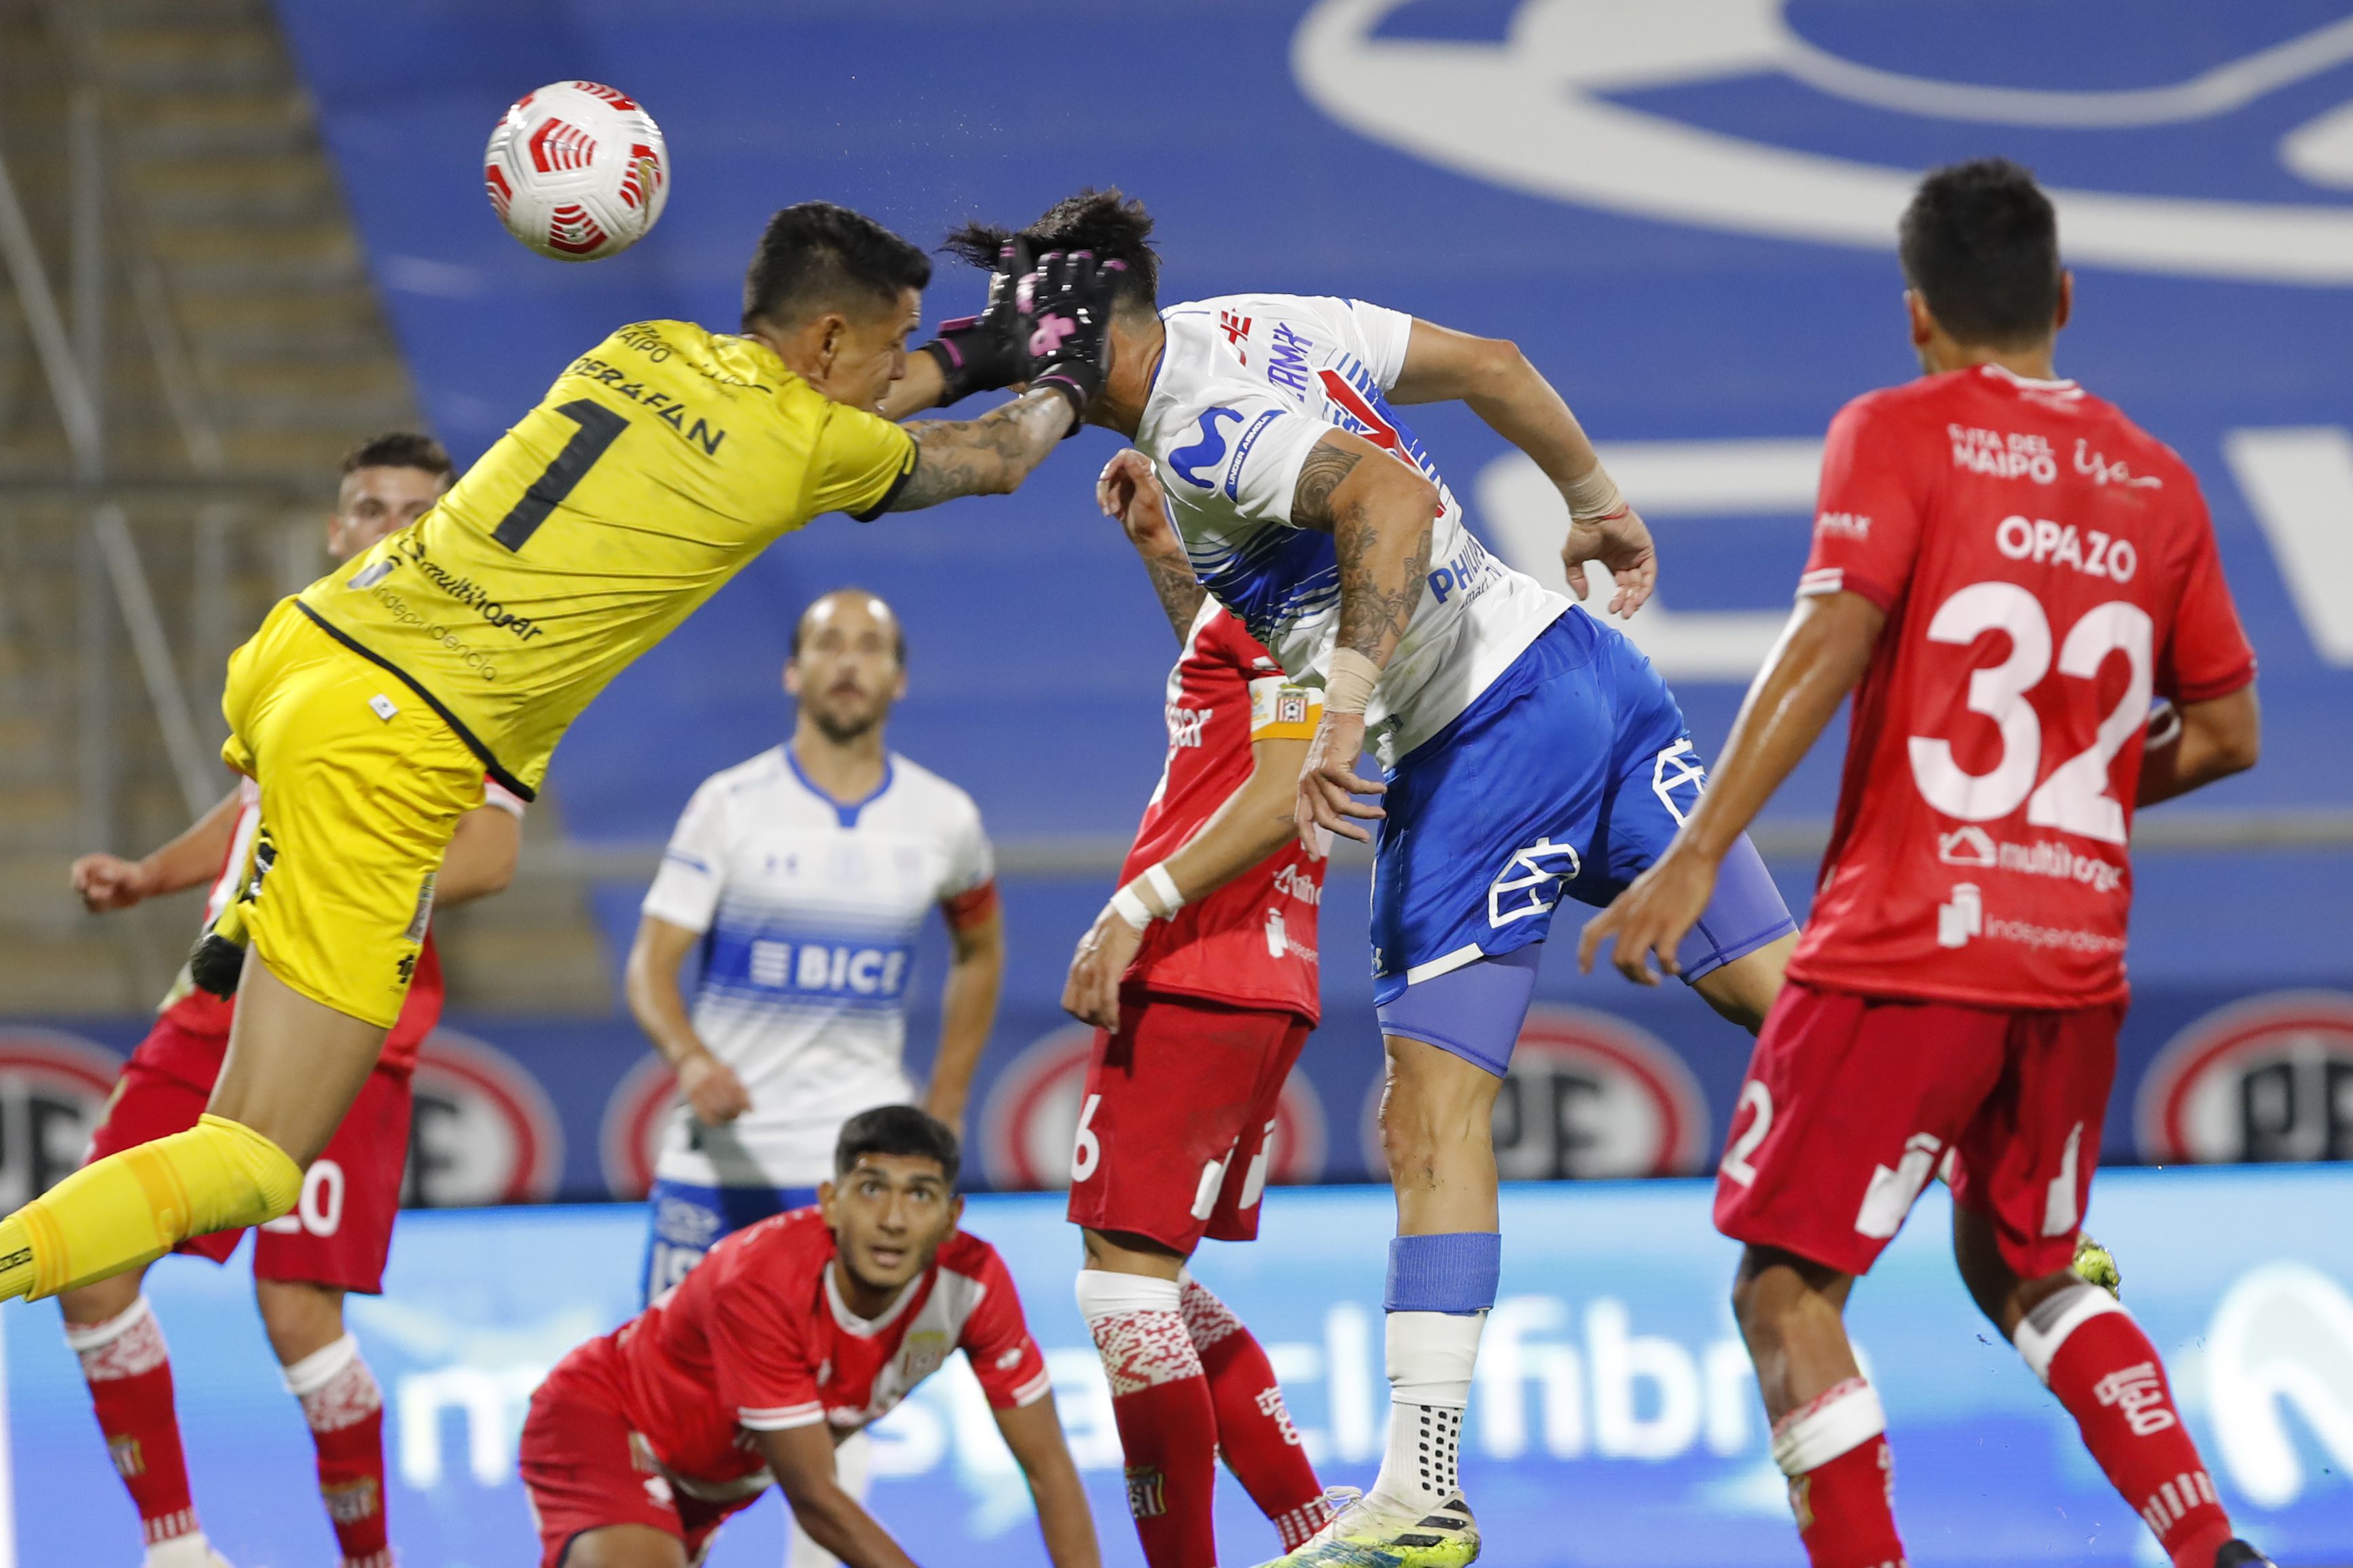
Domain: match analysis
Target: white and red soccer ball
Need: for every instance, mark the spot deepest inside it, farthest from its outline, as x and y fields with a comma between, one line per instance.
x=577, y=171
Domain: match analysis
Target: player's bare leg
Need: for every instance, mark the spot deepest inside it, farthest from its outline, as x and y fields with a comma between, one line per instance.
x=626, y=1546
x=294, y=1067
x=2088, y=1351
x=1828, y=1433
x=341, y=1404
x=1743, y=990
x=110, y=1328
x=1438, y=1131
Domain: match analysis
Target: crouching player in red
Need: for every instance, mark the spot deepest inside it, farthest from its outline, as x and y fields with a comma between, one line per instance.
x=790, y=1335
x=338, y=1235
x=2010, y=568
x=1200, y=975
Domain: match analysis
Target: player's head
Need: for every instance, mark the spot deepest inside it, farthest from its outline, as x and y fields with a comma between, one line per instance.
x=892, y=1198
x=836, y=294
x=389, y=482
x=849, y=664
x=1112, y=226
x=1980, y=250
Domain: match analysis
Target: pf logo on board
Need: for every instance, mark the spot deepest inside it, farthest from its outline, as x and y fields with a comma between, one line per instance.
x=484, y=1132
x=53, y=1094
x=2270, y=1078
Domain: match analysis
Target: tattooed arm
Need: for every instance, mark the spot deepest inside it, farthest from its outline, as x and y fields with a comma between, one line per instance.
x=1378, y=512
x=1129, y=491
x=989, y=456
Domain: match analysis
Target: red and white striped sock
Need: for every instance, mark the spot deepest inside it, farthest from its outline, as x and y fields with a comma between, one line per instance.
x=2086, y=1347
x=128, y=1369
x=1255, y=1432
x=1167, y=1422
x=1842, y=1479
x=345, y=1408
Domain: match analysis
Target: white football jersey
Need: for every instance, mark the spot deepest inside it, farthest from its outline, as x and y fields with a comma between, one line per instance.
x=809, y=911
x=1248, y=385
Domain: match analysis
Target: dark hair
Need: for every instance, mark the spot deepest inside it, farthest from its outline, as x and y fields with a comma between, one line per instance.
x=398, y=449
x=1114, y=226
x=898, y=626
x=1980, y=242
x=816, y=255
x=897, y=1130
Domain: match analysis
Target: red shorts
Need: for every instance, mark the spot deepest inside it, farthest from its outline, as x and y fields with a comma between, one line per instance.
x=1852, y=1103
x=339, y=1233
x=1175, y=1122
x=584, y=1470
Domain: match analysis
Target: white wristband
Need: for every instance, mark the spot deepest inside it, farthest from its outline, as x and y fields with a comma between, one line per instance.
x=1348, y=683
x=1131, y=908
x=1594, y=497
x=1165, y=886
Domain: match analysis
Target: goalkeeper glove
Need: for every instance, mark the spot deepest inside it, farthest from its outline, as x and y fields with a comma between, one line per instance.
x=1069, y=347
x=984, y=353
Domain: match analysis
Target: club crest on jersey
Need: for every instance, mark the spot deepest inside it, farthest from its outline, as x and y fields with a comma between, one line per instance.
x=1529, y=884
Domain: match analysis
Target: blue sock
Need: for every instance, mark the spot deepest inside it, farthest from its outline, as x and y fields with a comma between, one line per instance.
x=1456, y=1271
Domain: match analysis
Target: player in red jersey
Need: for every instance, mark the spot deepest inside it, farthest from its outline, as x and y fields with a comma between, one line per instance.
x=790, y=1335
x=340, y=1234
x=2004, y=570
x=1200, y=976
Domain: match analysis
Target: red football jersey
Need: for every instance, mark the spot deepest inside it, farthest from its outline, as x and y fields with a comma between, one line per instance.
x=207, y=1016
x=756, y=1338
x=1252, y=943
x=2046, y=566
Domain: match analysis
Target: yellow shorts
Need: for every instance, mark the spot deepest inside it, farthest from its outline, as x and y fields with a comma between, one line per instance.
x=362, y=786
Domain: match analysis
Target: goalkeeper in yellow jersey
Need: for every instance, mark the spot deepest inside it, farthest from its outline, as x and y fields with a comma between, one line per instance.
x=369, y=707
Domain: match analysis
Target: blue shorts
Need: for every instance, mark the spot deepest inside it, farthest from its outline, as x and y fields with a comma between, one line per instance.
x=1569, y=776
x=689, y=1220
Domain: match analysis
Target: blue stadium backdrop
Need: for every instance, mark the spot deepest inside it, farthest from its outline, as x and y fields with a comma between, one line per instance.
x=1682, y=210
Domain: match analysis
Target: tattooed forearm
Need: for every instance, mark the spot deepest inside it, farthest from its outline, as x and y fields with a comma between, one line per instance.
x=1326, y=465
x=1384, y=555
x=988, y=456
x=1180, y=592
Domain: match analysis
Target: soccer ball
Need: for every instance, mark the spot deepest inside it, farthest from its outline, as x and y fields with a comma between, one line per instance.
x=577, y=171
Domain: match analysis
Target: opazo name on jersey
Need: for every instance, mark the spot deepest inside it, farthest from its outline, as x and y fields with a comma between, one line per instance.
x=2035, y=603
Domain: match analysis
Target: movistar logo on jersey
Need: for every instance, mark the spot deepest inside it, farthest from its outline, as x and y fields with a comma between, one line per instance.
x=774, y=968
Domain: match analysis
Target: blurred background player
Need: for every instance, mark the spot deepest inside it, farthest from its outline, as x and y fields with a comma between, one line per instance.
x=1200, y=1012
x=791, y=1335
x=804, y=876
x=340, y=1233
x=658, y=464
x=1531, y=752
x=1953, y=997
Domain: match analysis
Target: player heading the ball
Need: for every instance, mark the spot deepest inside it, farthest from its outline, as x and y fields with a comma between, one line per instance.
x=369, y=707
x=1530, y=753
x=2004, y=569
x=790, y=1336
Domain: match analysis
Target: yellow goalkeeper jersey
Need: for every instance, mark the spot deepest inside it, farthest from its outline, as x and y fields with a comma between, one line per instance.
x=655, y=468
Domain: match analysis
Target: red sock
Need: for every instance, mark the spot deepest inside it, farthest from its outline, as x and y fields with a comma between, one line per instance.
x=2108, y=1374
x=1842, y=1479
x=1254, y=1427
x=1168, y=1423
x=130, y=1372
x=345, y=1410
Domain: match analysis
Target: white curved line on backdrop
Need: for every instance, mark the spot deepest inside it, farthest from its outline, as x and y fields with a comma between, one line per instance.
x=2225, y=88
x=1528, y=114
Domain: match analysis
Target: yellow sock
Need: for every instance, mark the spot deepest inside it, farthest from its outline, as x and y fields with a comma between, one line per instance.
x=132, y=1207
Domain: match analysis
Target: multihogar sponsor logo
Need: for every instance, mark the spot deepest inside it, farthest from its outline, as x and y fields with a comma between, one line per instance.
x=468, y=591
x=1972, y=846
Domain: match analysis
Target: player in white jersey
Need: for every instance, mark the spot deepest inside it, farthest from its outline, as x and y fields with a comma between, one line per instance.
x=804, y=877
x=1529, y=751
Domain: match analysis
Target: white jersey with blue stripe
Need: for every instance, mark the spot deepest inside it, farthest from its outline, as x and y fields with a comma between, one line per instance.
x=810, y=912
x=1247, y=386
